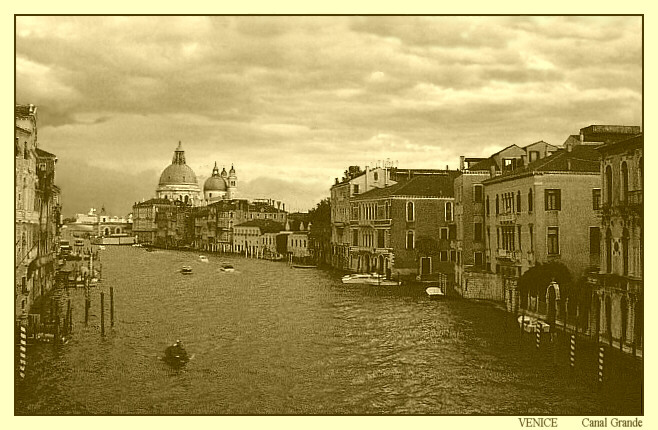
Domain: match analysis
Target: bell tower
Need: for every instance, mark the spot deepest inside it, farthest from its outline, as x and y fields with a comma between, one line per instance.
x=232, y=183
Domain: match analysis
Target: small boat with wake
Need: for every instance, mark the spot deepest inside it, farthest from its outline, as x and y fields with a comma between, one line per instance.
x=176, y=355
x=226, y=267
x=186, y=270
x=203, y=258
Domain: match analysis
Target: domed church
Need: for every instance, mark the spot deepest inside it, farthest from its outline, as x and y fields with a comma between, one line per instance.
x=178, y=181
x=220, y=185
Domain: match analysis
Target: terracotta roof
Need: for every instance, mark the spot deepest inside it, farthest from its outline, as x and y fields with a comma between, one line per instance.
x=45, y=154
x=418, y=186
x=582, y=158
x=155, y=201
x=265, y=225
x=635, y=140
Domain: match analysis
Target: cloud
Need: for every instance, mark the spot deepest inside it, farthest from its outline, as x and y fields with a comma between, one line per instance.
x=300, y=98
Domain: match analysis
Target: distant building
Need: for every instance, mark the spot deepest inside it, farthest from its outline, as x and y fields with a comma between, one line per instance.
x=145, y=226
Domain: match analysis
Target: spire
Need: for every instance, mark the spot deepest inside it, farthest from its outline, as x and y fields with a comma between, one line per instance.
x=215, y=170
x=232, y=171
x=179, y=155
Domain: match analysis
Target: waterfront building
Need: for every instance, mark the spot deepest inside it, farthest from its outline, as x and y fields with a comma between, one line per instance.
x=100, y=225
x=174, y=225
x=37, y=215
x=406, y=229
x=145, y=226
x=255, y=236
x=354, y=182
x=619, y=285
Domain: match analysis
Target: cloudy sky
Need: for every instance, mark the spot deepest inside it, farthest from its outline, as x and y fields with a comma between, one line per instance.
x=292, y=101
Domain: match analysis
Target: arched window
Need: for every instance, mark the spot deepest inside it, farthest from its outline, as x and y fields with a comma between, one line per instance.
x=518, y=201
x=608, y=185
x=187, y=199
x=624, y=183
x=448, y=211
x=624, y=250
x=410, y=211
x=487, y=205
x=117, y=230
x=608, y=251
x=107, y=231
x=410, y=239
x=530, y=200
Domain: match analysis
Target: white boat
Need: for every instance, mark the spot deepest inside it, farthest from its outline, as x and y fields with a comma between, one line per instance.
x=186, y=270
x=368, y=279
x=203, y=258
x=435, y=292
x=227, y=268
x=101, y=247
x=530, y=324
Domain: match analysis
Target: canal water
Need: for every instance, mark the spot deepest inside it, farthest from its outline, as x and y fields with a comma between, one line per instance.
x=270, y=339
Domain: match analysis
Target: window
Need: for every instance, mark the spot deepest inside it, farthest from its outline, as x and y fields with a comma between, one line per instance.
x=552, y=200
x=596, y=199
x=459, y=257
x=453, y=256
x=375, y=176
x=477, y=235
x=448, y=211
x=624, y=182
x=530, y=200
x=452, y=232
x=410, y=239
x=410, y=211
x=532, y=237
x=477, y=193
x=498, y=237
x=356, y=188
x=608, y=185
x=608, y=251
x=624, y=251
x=518, y=202
x=488, y=235
x=497, y=205
x=534, y=155
x=518, y=230
x=380, y=239
x=355, y=237
x=553, y=243
x=487, y=206
x=594, y=241
x=444, y=233
x=478, y=259
x=443, y=256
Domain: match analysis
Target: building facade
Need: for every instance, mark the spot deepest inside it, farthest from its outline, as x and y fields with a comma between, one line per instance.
x=619, y=286
x=37, y=214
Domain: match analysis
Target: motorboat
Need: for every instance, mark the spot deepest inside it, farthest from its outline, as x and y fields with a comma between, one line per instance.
x=368, y=279
x=101, y=247
x=435, y=292
x=203, y=258
x=530, y=324
x=176, y=355
x=227, y=268
x=186, y=270
x=137, y=245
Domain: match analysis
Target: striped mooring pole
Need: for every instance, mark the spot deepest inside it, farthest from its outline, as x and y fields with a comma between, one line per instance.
x=538, y=330
x=23, y=352
x=601, y=349
x=572, y=352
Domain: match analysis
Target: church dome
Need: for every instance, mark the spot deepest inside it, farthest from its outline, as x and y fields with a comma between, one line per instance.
x=215, y=182
x=178, y=173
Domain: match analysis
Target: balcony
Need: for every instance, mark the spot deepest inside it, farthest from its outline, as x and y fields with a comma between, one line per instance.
x=507, y=218
x=383, y=222
x=508, y=255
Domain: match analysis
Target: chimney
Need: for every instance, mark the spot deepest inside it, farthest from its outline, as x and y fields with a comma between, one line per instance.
x=336, y=181
x=492, y=171
x=284, y=206
x=568, y=164
x=569, y=146
x=461, y=162
x=278, y=203
x=524, y=160
x=447, y=168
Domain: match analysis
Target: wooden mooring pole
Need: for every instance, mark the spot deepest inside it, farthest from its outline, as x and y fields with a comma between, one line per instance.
x=102, y=314
x=111, y=306
x=601, y=357
x=572, y=352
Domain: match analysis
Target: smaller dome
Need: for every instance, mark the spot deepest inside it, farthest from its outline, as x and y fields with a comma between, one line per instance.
x=214, y=183
x=232, y=171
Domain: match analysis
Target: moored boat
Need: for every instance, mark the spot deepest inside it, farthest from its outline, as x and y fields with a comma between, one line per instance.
x=368, y=279
x=435, y=292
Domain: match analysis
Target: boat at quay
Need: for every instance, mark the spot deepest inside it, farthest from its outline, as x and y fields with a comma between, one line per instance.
x=278, y=341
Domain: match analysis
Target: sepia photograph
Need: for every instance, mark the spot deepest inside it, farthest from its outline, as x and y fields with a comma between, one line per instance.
x=333, y=215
